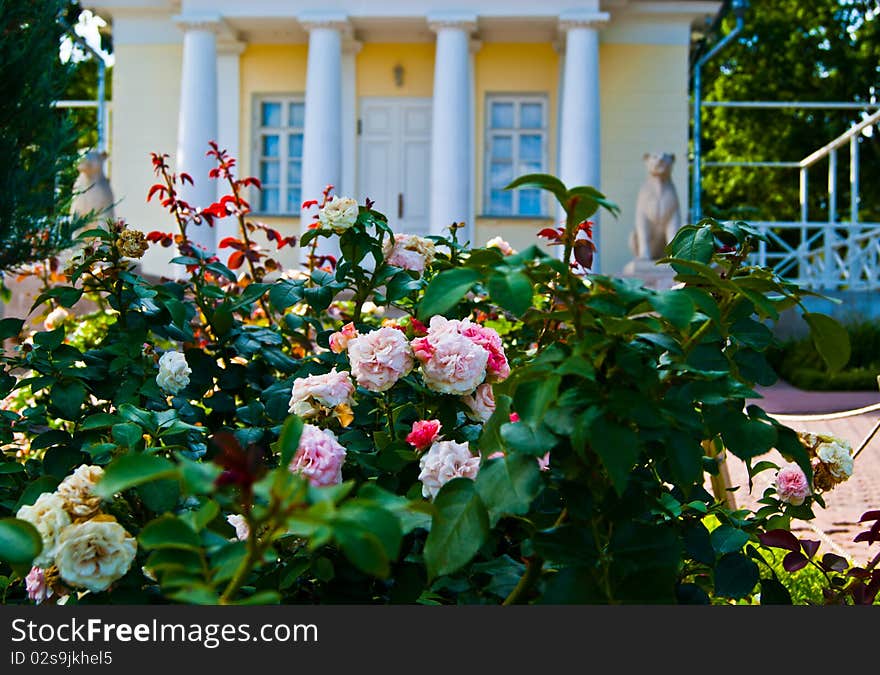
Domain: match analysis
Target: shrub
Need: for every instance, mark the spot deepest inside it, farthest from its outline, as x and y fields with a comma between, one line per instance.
x=358, y=431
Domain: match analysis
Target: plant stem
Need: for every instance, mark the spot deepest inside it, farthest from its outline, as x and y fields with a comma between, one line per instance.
x=534, y=566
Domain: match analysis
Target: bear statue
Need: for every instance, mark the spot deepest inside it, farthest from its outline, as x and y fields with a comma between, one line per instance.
x=658, y=215
x=92, y=195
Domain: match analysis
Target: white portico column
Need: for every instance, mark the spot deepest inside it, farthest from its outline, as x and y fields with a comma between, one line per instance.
x=450, y=126
x=579, y=120
x=197, y=123
x=322, y=135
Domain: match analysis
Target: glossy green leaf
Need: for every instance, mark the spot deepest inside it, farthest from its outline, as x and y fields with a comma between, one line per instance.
x=20, y=542
x=168, y=532
x=728, y=539
x=460, y=527
x=289, y=438
x=446, y=290
x=830, y=338
x=512, y=290
x=130, y=470
x=508, y=485
x=735, y=576
x=618, y=447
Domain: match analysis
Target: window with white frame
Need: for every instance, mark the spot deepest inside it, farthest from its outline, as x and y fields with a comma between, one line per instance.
x=516, y=144
x=278, y=145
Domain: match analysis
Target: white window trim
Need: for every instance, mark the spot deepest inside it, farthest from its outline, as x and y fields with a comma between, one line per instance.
x=516, y=132
x=284, y=132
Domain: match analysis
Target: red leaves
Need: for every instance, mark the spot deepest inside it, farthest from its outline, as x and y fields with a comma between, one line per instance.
x=780, y=539
x=185, y=178
x=554, y=235
x=226, y=242
x=158, y=187
x=794, y=561
x=309, y=204
x=250, y=180
x=235, y=260
x=584, y=251
x=163, y=238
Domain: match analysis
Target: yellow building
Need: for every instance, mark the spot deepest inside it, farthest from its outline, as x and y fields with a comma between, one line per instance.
x=425, y=107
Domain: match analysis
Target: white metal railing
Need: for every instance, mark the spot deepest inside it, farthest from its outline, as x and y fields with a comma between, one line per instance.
x=827, y=255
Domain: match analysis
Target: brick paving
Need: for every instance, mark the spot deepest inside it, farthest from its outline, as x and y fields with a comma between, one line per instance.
x=838, y=524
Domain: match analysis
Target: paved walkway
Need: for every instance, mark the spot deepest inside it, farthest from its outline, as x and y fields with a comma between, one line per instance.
x=838, y=524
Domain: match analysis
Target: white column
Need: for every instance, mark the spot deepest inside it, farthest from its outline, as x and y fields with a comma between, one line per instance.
x=450, y=125
x=228, y=127
x=348, y=182
x=197, y=123
x=579, y=133
x=322, y=136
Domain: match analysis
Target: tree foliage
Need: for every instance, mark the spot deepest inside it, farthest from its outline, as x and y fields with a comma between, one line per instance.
x=37, y=145
x=790, y=50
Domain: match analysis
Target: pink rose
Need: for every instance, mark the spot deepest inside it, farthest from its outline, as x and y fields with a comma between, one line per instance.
x=319, y=457
x=340, y=339
x=380, y=358
x=496, y=455
x=423, y=434
x=791, y=485
x=497, y=367
x=311, y=393
x=443, y=462
x=451, y=362
x=35, y=585
x=409, y=252
x=501, y=245
x=481, y=403
x=514, y=417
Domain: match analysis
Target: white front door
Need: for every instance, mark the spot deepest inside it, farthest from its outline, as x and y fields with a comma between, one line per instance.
x=395, y=160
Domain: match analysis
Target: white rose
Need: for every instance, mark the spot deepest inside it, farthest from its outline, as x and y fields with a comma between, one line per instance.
x=501, y=245
x=55, y=318
x=339, y=214
x=443, y=462
x=78, y=491
x=837, y=456
x=173, y=372
x=481, y=403
x=242, y=531
x=49, y=516
x=95, y=553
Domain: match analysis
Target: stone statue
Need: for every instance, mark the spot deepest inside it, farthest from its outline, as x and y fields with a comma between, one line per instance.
x=658, y=215
x=91, y=191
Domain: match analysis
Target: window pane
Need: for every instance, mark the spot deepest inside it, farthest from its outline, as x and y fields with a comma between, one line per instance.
x=295, y=146
x=271, y=115
x=502, y=115
x=530, y=148
x=270, y=146
x=500, y=202
x=500, y=174
x=530, y=116
x=297, y=115
x=530, y=167
x=502, y=147
x=270, y=173
x=530, y=202
x=294, y=173
x=269, y=200
x=293, y=200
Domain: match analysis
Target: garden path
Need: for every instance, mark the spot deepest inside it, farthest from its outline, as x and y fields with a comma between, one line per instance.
x=838, y=524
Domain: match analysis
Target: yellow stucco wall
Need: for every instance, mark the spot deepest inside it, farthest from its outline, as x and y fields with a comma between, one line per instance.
x=146, y=94
x=644, y=109
x=375, y=65
x=512, y=68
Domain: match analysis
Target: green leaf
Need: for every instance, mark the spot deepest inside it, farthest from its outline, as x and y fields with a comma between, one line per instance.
x=460, y=527
x=289, y=438
x=98, y=421
x=735, y=576
x=617, y=447
x=685, y=456
x=160, y=496
x=728, y=539
x=169, y=532
x=68, y=398
x=51, y=339
x=127, y=434
x=20, y=542
x=445, y=291
x=693, y=242
x=134, y=469
x=522, y=437
x=67, y=296
x=674, y=306
x=542, y=181
x=10, y=327
x=513, y=291
x=508, y=485
x=830, y=338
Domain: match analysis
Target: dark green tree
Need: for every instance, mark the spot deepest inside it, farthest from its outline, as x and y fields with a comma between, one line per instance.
x=37, y=143
x=790, y=50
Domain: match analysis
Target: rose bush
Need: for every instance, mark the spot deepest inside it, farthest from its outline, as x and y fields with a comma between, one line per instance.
x=416, y=421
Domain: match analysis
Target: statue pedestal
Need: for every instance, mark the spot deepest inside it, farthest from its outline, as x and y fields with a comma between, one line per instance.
x=652, y=275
